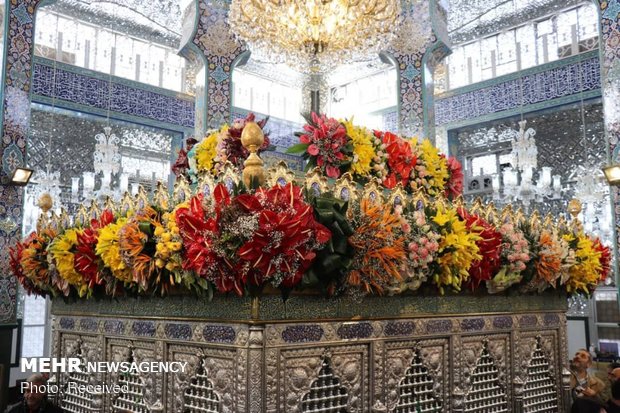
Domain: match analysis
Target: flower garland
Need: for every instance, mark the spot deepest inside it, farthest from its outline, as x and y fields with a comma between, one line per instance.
x=62, y=252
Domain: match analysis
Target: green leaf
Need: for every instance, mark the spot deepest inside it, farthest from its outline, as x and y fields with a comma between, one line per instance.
x=298, y=148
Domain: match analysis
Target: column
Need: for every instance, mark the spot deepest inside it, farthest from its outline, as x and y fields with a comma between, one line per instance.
x=16, y=122
x=420, y=44
x=610, y=84
x=216, y=42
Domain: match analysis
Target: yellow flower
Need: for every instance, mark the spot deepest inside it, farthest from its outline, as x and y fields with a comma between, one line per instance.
x=435, y=167
x=584, y=273
x=206, y=151
x=363, y=149
x=109, y=250
x=62, y=252
x=457, y=249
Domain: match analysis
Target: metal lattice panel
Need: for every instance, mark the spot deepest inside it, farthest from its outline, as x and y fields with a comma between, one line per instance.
x=326, y=395
x=416, y=389
x=539, y=392
x=486, y=393
x=74, y=400
x=200, y=396
x=131, y=399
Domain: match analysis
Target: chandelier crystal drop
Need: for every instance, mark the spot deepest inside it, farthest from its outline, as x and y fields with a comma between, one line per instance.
x=314, y=36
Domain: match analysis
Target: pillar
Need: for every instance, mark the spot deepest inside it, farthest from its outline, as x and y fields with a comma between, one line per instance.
x=217, y=43
x=420, y=44
x=16, y=122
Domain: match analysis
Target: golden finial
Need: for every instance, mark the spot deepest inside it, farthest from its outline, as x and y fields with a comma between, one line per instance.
x=45, y=203
x=142, y=199
x=252, y=138
x=574, y=208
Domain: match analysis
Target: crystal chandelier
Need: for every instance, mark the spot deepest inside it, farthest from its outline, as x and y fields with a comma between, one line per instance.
x=314, y=35
x=106, y=162
x=518, y=180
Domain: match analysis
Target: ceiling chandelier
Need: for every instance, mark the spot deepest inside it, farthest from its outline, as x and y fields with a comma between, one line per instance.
x=518, y=180
x=313, y=36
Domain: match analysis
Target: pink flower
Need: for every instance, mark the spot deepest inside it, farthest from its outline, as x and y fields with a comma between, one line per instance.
x=313, y=150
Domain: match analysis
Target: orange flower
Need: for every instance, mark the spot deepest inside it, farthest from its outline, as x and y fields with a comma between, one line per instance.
x=379, y=248
x=549, y=258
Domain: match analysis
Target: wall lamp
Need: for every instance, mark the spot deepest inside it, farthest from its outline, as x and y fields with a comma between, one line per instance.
x=21, y=177
x=612, y=174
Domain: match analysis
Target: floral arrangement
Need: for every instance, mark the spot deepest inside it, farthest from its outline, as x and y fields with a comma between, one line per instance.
x=221, y=146
x=231, y=239
x=337, y=147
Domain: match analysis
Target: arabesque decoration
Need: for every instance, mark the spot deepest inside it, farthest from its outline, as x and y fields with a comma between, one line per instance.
x=375, y=230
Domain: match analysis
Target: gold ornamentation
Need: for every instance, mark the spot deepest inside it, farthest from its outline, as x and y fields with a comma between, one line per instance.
x=398, y=196
x=94, y=212
x=252, y=138
x=142, y=198
x=161, y=198
x=81, y=216
x=346, y=189
x=279, y=174
x=127, y=204
x=316, y=182
x=373, y=191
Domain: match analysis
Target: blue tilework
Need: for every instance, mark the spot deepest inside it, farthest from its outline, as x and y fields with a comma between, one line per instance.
x=88, y=324
x=537, y=87
x=96, y=93
x=219, y=334
x=302, y=333
x=178, y=331
x=399, y=328
x=356, y=330
x=67, y=323
x=472, y=324
x=503, y=322
x=439, y=326
x=114, y=326
x=144, y=328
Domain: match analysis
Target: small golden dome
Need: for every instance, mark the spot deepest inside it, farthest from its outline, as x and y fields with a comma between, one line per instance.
x=252, y=135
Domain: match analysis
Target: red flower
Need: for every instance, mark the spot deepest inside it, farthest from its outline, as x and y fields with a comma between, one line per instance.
x=282, y=248
x=203, y=251
x=327, y=144
x=86, y=261
x=605, y=259
x=490, y=246
x=454, y=186
x=401, y=159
